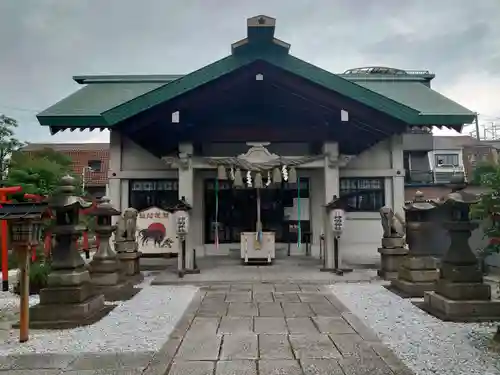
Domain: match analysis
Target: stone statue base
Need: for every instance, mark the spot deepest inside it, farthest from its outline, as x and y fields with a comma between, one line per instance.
x=393, y=242
x=63, y=307
x=106, y=279
x=417, y=275
x=460, y=310
x=391, y=258
x=461, y=296
x=130, y=266
x=126, y=246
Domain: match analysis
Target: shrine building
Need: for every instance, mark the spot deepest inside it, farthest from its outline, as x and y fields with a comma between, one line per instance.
x=263, y=123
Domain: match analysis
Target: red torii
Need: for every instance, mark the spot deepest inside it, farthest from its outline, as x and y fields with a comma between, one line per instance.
x=4, y=192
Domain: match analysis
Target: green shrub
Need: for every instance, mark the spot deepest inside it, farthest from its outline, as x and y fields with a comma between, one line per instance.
x=39, y=274
x=11, y=261
x=38, y=277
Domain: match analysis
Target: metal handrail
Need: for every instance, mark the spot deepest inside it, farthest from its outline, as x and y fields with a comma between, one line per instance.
x=415, y=176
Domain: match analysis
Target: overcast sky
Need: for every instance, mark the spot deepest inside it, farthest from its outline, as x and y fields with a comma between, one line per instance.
x=45, y=42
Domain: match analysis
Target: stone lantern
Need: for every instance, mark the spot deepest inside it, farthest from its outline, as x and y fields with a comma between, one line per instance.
x=25, y=222
x=418, y=271
x=460, y=294
x=69, y=300
x=105, y=267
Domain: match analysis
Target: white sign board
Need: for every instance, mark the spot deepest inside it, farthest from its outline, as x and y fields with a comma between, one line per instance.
x=156, y=232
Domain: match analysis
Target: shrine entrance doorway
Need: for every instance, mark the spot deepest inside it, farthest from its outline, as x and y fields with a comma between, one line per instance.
x=235, y=211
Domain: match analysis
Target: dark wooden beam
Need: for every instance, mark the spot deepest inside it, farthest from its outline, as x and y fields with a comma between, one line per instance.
x=207, y=94
x=331, y=99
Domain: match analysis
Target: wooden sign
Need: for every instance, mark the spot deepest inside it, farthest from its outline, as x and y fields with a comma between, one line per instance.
x=156, y=232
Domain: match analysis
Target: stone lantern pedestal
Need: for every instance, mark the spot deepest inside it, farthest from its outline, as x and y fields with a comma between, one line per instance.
x=393, y=251
x=460, y=294
x=392, y=255
x=105, y=268
x=418, y=271
x=69, y=300
x=127, y=247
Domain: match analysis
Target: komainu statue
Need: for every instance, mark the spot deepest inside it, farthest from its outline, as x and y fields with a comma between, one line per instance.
x=127, y=225
x=392, y=223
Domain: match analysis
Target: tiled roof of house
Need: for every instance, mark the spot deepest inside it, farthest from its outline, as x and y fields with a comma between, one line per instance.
x=82, y=155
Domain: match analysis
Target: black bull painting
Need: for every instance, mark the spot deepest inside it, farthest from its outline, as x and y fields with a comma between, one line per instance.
x=157, y=235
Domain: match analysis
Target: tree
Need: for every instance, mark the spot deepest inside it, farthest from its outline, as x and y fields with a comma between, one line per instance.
x=482, y=169
x=8, y=143
x=39, y=172
x=488, y=208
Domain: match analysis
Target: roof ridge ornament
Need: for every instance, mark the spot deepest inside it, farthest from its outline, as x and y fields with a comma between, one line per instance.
x=261, y=21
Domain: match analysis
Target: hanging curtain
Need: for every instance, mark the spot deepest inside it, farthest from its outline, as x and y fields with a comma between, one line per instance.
x=299, y=227
x=216, y=214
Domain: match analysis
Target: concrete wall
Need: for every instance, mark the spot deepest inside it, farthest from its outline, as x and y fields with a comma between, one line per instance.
x=363, y=230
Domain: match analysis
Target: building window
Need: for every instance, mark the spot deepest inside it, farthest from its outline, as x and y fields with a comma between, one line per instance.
x=153, y=193
x=95, y=165
x=446, y=160
x=362, y=194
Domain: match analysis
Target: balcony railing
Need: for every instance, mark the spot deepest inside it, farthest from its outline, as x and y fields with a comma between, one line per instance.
x=418, y=139
x=416, y=177
x=419, y=177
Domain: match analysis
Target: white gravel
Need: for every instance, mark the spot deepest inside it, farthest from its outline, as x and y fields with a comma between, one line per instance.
x=143, y=323
x=426, y=344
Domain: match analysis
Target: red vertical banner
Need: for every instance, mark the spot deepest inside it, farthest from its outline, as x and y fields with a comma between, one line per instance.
x=33, y=253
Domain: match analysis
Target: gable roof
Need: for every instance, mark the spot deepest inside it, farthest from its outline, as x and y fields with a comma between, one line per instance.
x=107, y=102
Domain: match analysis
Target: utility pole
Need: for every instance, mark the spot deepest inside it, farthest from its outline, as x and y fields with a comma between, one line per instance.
x=477, y=128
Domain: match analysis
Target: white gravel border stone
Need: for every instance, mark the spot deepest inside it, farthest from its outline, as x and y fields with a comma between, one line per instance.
x=143, y=323
x=426, y=344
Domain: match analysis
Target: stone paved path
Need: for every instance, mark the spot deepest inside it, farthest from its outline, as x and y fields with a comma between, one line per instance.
x=274, y=329
x=242, y=329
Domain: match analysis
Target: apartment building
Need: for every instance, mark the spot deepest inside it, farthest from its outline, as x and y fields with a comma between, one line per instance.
x=431, y=161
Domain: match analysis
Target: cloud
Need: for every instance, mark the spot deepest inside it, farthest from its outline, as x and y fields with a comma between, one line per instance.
x=46, y=42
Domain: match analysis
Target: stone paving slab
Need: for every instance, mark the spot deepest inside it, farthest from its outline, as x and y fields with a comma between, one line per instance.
x=114, y=361
x=321, y=367
x=236, y=368
x=192, y=368
x=298, y=326
x=242, y=309
x=275, y=347
x=239, y=346
x=234, y=324
x=280, y=366
x=270, y=325
x=313, y=345
x=271, y=309
x=327, y=324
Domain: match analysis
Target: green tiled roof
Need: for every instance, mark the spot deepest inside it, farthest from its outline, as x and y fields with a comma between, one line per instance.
x=92, y=100
x=415, y=95
x=107, y=101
